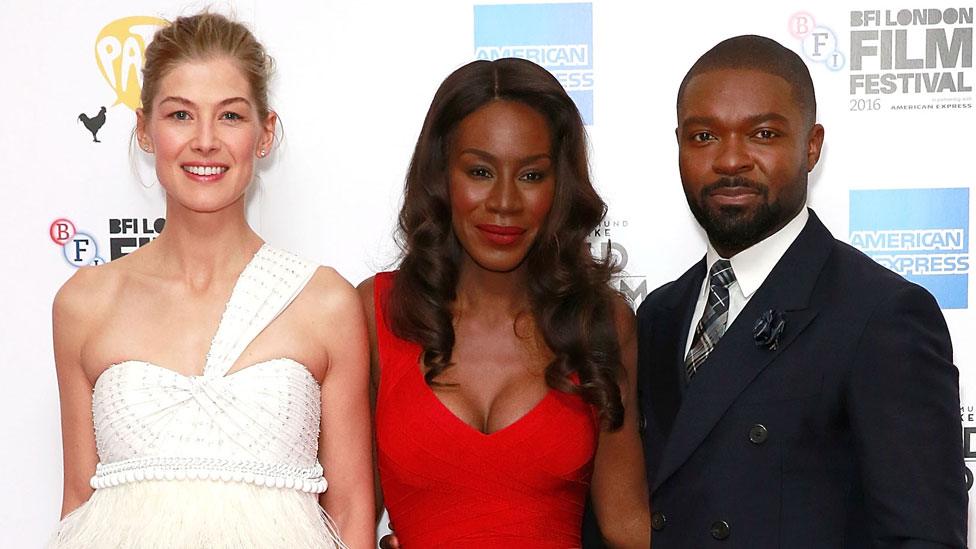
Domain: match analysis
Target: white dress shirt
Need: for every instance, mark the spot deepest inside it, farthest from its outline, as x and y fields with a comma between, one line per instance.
x=751, y=267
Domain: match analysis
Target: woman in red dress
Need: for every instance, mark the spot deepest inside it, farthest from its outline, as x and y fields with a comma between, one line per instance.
x=503, y=362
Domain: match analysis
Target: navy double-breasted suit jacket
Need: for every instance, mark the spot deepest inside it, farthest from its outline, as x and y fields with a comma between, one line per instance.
x=847, y=434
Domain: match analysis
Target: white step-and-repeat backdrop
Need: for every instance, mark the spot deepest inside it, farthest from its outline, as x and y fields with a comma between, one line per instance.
x=894, y=83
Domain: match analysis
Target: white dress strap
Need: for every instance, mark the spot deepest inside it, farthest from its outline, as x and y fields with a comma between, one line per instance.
x=267, y=285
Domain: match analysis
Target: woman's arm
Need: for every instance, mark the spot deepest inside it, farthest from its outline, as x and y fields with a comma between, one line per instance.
x=366, y=295
x=72, y=314
x=345, y=442
x=619, y=490
x=366, y=289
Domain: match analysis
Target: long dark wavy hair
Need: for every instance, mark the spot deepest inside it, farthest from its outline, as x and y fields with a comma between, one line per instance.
x=570, y=297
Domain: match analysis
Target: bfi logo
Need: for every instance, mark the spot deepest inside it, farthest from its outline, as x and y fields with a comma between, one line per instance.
x=81, y=249
x=818, y=42
x=78, y=248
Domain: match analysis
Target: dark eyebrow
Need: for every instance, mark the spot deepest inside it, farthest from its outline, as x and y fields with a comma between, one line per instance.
x=491, y=157
x=187, y=102
x=767, y=117
x=750, y=121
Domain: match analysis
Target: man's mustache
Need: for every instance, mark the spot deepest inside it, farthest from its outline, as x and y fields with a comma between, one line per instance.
x=737, y=181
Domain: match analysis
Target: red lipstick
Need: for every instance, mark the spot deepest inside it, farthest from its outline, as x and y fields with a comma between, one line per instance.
x=501, y=234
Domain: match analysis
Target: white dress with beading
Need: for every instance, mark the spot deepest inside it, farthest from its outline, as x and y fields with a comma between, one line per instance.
x=217, y=460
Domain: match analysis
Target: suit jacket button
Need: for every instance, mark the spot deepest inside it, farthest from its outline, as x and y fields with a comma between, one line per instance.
x=658, y=520
x=643, y=423
x=758, y=434
x=720, y=529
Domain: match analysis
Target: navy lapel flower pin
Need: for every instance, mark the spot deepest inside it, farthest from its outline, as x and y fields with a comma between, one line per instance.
x=768, y=329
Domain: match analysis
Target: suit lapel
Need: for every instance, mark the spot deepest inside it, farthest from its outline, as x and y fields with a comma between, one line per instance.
x=737, y=360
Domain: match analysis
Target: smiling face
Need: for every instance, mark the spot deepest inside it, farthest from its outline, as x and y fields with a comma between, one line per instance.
x=502, y=182
x=205, y=133
x=744, y=152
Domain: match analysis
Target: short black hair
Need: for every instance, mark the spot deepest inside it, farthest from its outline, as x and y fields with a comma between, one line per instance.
x=762, y=54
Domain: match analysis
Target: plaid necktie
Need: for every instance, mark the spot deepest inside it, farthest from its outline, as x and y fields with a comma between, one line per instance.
x=712, y=324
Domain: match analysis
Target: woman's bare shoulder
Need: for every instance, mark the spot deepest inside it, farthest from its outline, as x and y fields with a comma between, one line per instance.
x=623, y=316
x=89, y=291
x=331, y=294
x=81, y=305
x=366, y=290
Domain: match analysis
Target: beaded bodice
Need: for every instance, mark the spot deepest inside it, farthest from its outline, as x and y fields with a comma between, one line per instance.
x=258, y=424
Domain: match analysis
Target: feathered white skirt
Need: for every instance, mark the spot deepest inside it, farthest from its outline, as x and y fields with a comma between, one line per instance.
x=196, y=514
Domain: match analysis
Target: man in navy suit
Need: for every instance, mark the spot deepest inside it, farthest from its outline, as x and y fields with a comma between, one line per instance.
x=796, y=394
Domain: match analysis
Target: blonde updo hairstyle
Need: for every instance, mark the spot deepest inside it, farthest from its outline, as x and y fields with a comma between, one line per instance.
x=202, y=37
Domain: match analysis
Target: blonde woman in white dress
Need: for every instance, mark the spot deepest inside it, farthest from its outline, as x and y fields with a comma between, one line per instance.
x=213, y=388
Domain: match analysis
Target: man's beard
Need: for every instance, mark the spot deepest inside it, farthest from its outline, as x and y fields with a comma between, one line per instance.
x=735, y=228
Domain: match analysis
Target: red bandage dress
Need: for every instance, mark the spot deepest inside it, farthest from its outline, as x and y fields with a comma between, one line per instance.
x=446, y=484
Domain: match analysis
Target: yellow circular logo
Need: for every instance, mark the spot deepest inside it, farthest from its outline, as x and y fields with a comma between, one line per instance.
x=119, y=51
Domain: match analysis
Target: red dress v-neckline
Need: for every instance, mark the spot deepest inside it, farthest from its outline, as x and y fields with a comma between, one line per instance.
x=449, y=419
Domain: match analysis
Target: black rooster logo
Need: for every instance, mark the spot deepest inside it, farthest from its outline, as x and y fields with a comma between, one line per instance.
x=94, y=123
